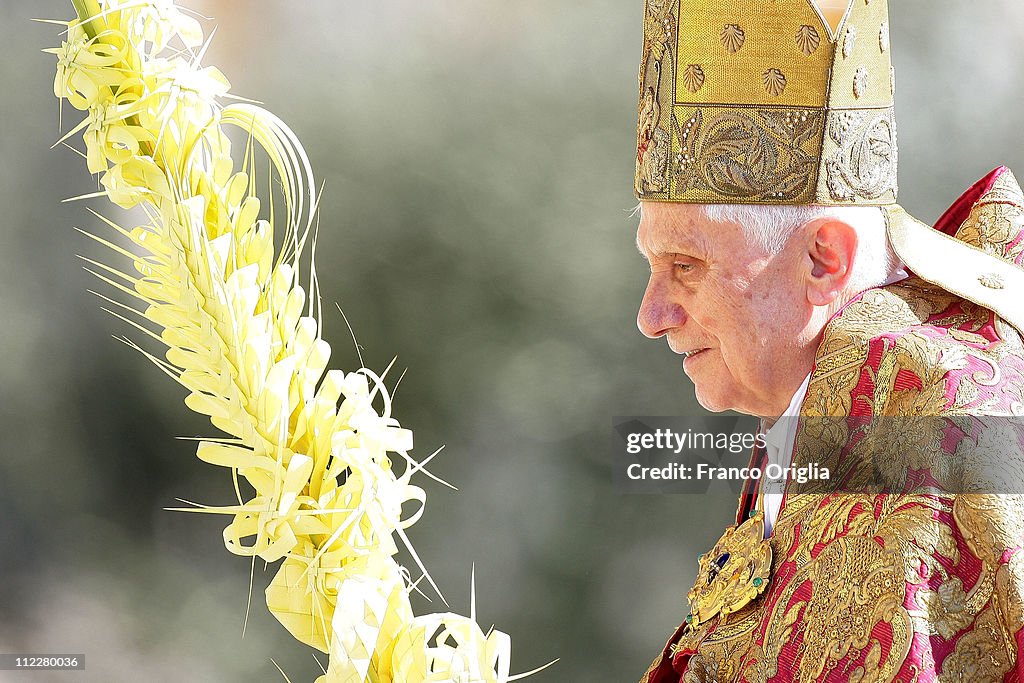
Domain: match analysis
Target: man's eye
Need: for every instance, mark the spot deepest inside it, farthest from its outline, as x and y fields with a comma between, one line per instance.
x=683, y=267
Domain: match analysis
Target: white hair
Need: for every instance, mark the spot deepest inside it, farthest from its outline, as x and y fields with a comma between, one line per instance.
x=772, y=225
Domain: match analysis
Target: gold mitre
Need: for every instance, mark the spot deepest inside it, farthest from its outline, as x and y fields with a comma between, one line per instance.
x=766, y=102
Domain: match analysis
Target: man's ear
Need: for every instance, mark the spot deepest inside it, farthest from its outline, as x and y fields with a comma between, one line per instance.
x=831, y=249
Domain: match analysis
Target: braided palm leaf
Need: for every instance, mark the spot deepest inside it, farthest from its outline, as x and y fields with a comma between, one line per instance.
x=244, y=338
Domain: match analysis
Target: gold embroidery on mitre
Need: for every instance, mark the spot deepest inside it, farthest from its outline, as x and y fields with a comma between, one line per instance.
x=849, y=42
x=774, y=82
x=808, y=39
x=860, y=82
x=693, y=77
x=745, y=155
x=860, y=155
x=732, y=38
x=745, y=71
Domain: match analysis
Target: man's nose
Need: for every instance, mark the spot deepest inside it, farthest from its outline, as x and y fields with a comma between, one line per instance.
x=658, y=312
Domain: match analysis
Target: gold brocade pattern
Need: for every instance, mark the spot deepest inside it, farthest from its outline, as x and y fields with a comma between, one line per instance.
x=750, y=155
x=974, y=658
x=860, y=156
x=914, y=527
x=758, y=85
x=654, y=142
x=947, y=609
x=853, y=557
x=747, y=155
x=858, y=578
x=997, y=229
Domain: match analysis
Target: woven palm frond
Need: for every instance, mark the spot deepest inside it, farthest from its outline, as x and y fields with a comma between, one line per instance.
x=318, y=446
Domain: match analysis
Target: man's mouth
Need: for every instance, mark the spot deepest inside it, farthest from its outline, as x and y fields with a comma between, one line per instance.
x=687, y=355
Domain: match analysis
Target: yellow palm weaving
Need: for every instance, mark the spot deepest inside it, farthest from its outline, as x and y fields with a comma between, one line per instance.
x=317, y=446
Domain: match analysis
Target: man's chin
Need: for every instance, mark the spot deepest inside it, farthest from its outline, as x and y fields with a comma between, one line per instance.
x=711, y=386
x=711, y=403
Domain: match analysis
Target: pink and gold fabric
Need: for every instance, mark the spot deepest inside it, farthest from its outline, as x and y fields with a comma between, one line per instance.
x=923, y=579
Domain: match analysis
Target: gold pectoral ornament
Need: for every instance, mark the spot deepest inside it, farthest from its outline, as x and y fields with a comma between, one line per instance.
x=733, y=574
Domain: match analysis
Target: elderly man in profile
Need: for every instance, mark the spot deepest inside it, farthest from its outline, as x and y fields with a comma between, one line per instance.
x=743, y=292
x=793, y=285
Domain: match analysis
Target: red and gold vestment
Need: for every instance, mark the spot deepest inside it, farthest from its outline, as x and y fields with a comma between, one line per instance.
x=924, y=581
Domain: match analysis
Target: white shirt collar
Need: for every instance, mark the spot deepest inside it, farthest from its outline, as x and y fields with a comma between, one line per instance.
x=776, y=435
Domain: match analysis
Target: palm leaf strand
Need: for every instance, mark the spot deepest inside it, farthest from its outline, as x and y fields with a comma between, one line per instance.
x=243, y=336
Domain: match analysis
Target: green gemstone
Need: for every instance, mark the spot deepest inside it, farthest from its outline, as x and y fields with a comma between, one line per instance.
x=758, y=582
x=752, y=513
x=689, y=618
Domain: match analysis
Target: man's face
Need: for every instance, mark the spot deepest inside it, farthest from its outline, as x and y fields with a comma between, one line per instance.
x=736, y=312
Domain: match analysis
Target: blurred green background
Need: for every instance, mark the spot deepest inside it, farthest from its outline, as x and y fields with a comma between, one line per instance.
x=478, y=163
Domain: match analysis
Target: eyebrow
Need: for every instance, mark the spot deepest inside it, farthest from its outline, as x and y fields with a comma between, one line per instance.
x=658, y=248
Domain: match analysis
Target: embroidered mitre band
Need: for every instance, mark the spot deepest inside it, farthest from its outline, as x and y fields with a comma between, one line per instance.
x=763, y=102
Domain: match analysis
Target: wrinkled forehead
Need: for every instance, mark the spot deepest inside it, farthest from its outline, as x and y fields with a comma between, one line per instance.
x=672, y=227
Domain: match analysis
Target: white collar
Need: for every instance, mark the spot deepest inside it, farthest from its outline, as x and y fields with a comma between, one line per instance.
x=776, y=435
